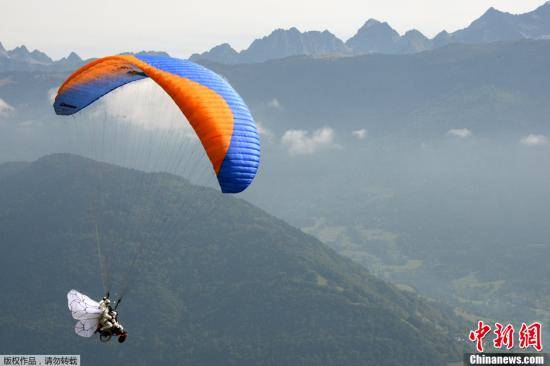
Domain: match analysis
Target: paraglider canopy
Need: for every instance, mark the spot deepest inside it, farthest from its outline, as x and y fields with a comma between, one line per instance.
x=216, y=112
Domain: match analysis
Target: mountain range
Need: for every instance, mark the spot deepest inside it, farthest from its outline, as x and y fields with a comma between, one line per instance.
x=379, y=37
x=373, y=37
x=412, y=200
x=20, y=58
x=491, y=88
x=412, y=185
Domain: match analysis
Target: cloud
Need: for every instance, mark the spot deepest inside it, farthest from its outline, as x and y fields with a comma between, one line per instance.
x=264, y=131
x=300, y=142
x=460, y=132
x=360, y=134
x=533, y=140
x=5, y=108
x=275, y=104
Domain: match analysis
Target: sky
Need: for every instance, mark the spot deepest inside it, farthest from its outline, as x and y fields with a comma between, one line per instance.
x=103, y=27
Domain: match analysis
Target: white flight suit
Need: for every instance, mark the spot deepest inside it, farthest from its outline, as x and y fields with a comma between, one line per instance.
x=105, y=320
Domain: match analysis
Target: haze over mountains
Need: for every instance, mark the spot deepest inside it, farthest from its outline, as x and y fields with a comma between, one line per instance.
x=219, y=281
x=379, y=37
x=447, y=181
x=409, y=164
x=497, y=88
x=430, y=168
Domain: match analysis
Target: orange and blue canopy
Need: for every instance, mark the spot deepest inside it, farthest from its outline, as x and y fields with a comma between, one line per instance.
x=216, y=112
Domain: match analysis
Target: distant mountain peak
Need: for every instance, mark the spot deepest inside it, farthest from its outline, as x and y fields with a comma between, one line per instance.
x=71, y=61
x=374, y=37
x=222, y=53
x=495, y=25
x=224, y=47
x=22, y=53
x=413, y=32
x=20, y=58
x=376, y=24
x=280, y=43
x=493, y=12
x=442, y=38
x=280, y=32
x=371, y=23
x=414, y=41
x=41, y=57
x=73, y=56
x=292, y=42
x=145, y=53
x=152, y=53
x=543, y=9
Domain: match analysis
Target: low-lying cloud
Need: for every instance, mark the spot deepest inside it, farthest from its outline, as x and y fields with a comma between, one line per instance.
x=5, y=108
x=275, y=104
x=360, y=134
x=301, y=142
x=534, y=140
x=265, y=132
x=462, y=133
